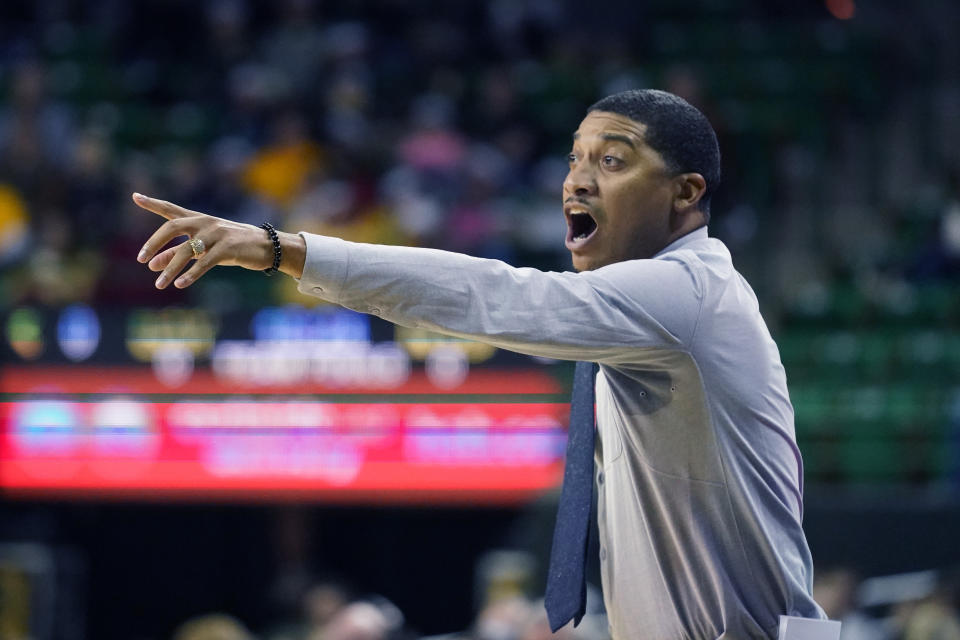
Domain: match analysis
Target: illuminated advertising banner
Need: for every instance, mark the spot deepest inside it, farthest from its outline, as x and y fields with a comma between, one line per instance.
x=491, y=441
x=288, y=402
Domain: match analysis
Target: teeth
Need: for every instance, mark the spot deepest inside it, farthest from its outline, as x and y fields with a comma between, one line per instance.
x=581, y=223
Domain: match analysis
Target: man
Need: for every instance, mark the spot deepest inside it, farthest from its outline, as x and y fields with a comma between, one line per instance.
x=699, y=477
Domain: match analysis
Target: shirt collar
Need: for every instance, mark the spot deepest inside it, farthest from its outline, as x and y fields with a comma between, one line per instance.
x=699, y=233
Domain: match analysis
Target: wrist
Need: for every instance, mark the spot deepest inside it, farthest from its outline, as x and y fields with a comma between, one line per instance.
x=293, y=250
x=258, y=251
x=275, y=248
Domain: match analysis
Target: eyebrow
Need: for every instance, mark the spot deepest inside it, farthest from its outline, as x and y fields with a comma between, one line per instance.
x=612, y=136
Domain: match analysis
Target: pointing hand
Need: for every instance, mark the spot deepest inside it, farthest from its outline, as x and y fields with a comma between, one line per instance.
x=221, y=242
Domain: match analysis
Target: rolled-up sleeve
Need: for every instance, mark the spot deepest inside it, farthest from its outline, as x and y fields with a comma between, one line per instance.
x=604, y=315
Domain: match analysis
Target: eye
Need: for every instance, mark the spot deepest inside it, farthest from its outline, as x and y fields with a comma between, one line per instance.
x=612, y=162
x=571, y=158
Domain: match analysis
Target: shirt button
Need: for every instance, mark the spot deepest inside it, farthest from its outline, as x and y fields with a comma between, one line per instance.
x=318, y=289
x=603, y=553
x=600, y=478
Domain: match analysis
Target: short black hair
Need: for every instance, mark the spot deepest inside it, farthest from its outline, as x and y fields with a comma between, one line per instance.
x=675, y=129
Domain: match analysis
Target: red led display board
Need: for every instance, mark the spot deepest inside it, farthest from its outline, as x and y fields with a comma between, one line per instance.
x=117, y=433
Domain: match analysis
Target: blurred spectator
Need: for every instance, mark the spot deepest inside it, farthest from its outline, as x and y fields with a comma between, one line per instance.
x=933, y=619
x=278, y=172
x=936, y=616
x=322, y=602
x=14, y=236
x=362, y=620
x=35, y=132
x=296, y=45
x=939, y=254
x=517, y=618
x=503, y=619
x=214, y=626
x=537, y=627
x=318, y=605
x=227, y=32
x=836, y=591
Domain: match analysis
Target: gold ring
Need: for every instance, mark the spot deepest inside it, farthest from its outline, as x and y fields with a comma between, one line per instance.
x=198, y=247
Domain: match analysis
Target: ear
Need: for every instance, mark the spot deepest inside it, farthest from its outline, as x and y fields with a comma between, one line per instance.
x=688, y=189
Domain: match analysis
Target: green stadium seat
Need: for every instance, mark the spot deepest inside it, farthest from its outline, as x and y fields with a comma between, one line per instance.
x=869, y=461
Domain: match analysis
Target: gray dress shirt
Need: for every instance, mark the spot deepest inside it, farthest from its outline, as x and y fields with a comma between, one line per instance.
x=699, y=477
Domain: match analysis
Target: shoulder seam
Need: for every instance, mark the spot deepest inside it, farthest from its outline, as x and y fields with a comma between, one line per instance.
x=698, y=276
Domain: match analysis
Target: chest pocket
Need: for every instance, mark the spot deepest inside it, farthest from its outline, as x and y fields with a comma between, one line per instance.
x=661, y=418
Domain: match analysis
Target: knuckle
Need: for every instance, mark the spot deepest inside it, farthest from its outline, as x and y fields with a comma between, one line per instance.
x=219, y=229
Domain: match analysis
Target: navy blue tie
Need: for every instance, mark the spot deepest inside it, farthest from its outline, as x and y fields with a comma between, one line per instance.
x=566, y=596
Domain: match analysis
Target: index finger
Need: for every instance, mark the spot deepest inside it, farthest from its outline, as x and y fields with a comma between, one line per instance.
x=163, y=208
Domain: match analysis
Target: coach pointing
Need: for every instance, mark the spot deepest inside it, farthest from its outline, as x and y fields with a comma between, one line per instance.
x=697, y=469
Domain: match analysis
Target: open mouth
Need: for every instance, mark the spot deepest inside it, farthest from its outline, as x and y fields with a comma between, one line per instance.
x=582, y=225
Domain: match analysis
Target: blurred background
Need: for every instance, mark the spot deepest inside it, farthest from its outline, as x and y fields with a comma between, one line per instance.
x=237, y=461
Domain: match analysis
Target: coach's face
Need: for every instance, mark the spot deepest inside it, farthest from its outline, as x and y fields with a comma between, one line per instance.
x=619, y=195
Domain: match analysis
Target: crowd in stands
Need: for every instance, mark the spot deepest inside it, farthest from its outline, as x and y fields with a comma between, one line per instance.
x=446, y=125
x=327, y=611
x=919, y=606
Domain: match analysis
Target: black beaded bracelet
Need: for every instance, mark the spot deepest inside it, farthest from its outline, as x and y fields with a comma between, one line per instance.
x=276, y=248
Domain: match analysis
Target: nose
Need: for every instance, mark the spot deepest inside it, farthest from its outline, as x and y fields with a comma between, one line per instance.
x=580, y=181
